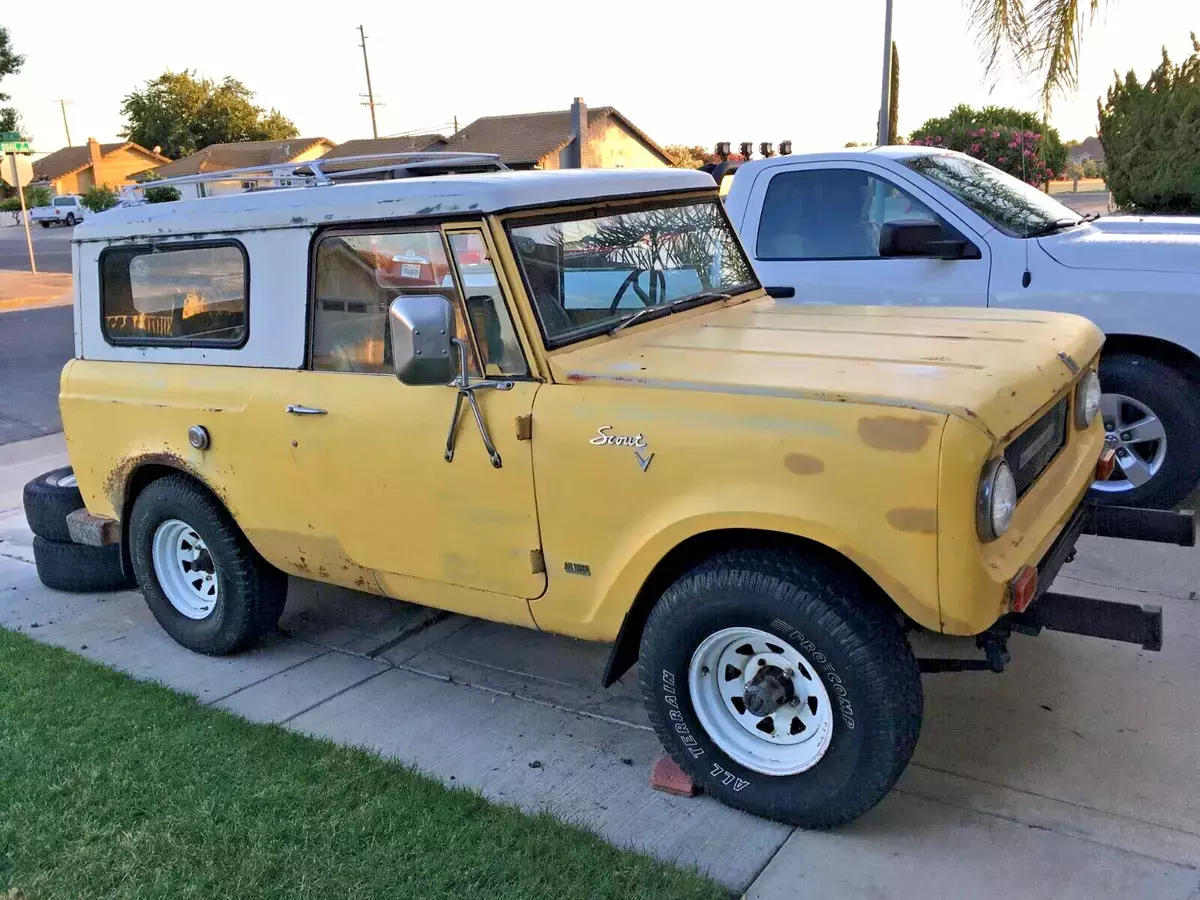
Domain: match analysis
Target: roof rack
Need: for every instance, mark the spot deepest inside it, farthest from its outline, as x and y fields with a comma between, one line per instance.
x=319, y=172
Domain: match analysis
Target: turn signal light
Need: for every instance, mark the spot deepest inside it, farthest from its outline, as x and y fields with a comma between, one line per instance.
x=1106, y=464
x=1023, y=588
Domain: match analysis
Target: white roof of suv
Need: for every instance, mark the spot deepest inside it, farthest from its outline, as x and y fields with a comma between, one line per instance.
x=466, y=195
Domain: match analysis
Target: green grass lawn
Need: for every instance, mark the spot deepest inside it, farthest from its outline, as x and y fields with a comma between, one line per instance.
x=115, y=788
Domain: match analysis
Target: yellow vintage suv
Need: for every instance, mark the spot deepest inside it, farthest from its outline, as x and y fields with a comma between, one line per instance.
x=563, y=401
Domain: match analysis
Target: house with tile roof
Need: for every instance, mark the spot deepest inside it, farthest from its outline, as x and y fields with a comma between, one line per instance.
x=239, y=155
x=76, y=170
x=575, y=138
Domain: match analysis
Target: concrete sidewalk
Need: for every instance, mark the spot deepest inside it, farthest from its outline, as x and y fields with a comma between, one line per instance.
x=23, y=290
x=1073, y=775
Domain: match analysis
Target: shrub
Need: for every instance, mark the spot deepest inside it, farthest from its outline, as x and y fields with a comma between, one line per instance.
x=99, y=198
x=1151, y=137
x=37, y=195
x=165, y=194
x=1018, y=142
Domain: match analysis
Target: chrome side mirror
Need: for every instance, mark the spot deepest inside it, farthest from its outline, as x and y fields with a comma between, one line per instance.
x=422, y=332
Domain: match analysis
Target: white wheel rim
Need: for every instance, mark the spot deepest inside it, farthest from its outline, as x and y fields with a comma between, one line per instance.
x=63, y=481
x=791, y=739
x=185, y=569
x=1137, y=434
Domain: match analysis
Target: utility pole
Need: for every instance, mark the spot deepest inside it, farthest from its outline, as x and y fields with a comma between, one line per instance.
x=885, y=93
x=66, y=127
x=370, y=94
x=456, y=124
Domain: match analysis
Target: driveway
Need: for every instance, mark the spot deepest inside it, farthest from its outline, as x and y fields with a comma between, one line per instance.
x=1072, y=775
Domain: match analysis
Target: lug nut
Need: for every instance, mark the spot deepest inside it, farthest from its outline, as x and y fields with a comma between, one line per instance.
x=1126, y=436
x=762, y=662
x=704, y=670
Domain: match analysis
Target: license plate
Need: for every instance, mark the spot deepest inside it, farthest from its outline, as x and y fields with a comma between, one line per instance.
x=410, y=270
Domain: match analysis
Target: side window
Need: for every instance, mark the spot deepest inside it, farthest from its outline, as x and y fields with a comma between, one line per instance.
x=494, y=332
x=831, y=214
x=190, y=294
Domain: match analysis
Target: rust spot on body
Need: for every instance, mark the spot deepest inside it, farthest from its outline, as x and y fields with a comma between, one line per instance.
x=895, y=433
x=917, y=521
x=803, y=464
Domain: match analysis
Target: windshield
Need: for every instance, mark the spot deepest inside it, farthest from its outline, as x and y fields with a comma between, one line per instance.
x=589, y=273
x=1013, y=206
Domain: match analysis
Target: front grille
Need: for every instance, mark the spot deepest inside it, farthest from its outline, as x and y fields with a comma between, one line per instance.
x=1034, y=448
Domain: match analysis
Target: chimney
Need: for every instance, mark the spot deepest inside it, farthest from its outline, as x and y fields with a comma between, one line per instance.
x=93, y=153
x=579, y=130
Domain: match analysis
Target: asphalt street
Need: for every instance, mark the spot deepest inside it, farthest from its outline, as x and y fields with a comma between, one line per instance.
x=34, y=346
x=51, y=247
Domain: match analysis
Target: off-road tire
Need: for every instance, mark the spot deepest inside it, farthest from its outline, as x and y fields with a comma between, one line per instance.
x=47, y=505
x=251, y=591
x=862, y=656
x=78, y=568
x=1175, y=399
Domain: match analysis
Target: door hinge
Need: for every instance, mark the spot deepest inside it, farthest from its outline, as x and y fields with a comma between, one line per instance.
x=537, y=562
x=525, y=428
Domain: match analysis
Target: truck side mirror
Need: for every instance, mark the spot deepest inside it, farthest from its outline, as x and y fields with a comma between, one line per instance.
x=920, y=237
x=422, y=331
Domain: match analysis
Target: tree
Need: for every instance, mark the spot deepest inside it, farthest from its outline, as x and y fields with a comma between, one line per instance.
x=37, y=195
x=893, y=135
x=181, y=113
x=99, y=198
x=687, y=157
x=1010, y=139
x=10, y=64
x=1151, y=139
x=1043, y=38
x=164, y=194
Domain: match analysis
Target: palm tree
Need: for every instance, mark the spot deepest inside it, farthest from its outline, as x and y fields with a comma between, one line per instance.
x=1041, y=36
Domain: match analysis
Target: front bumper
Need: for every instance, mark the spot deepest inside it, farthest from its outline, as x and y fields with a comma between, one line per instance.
x=1126, y=622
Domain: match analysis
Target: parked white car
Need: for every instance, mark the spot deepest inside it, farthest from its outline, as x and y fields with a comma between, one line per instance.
x=65, y=210
x=924, y=226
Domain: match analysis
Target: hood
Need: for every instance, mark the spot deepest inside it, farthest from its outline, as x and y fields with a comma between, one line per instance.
x=994, y=368
x=1130, y=243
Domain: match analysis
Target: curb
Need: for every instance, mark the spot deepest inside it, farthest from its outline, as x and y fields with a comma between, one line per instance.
x=34, y=302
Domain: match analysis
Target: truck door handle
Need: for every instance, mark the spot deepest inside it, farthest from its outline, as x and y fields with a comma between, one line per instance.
x=780, y=293
x=296, y=409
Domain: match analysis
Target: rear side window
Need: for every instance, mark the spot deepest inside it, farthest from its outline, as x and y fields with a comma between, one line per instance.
x=192, y=294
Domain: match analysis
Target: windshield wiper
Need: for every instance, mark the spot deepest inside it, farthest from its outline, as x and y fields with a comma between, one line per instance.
x=1056, y=225
x=638, y=316
x=674, y=306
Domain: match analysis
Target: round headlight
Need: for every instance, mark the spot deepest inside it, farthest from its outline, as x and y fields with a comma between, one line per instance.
x=997, y=500
x=1087, y=400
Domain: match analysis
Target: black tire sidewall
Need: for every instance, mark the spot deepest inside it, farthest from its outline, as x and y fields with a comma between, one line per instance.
x=836, y=781
x=224, y=629
x=1175, y=399
x=47, y=505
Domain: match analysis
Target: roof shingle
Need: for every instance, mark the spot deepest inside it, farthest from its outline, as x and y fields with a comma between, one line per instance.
x=366, y=146
x=72, y=159
x=217, y=157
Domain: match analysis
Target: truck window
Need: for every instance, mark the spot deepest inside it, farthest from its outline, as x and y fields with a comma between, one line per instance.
x=356, y=278
x=831, y=214
x=191, y=294
x=493, y=327
x=64, y=201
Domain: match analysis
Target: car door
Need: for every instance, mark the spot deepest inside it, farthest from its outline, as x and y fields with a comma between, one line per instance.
x=372, y=451
x=813, y=232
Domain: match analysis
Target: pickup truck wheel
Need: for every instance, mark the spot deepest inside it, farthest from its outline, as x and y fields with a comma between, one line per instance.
x=204, y=583
x=1152, y=419
x=45, y=224
x=781, y=687
x=70, y=220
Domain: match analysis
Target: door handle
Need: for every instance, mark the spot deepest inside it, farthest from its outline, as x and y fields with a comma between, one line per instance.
x=780, y=293
x=297, y=409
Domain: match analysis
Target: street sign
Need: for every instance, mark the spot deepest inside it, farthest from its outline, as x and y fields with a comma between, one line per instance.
x=14, y=146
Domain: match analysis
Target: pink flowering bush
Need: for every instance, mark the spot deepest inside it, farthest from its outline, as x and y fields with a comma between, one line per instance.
x=996, y=147
x=1018, y=142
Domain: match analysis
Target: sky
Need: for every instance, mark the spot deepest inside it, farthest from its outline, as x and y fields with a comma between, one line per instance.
x=684, y=73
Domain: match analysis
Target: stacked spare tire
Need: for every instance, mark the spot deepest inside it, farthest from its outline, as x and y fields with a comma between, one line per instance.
x=61, y=563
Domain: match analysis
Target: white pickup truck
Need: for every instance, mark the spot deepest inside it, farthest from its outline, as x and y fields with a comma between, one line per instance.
x=924, y=226
x=65, y=210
